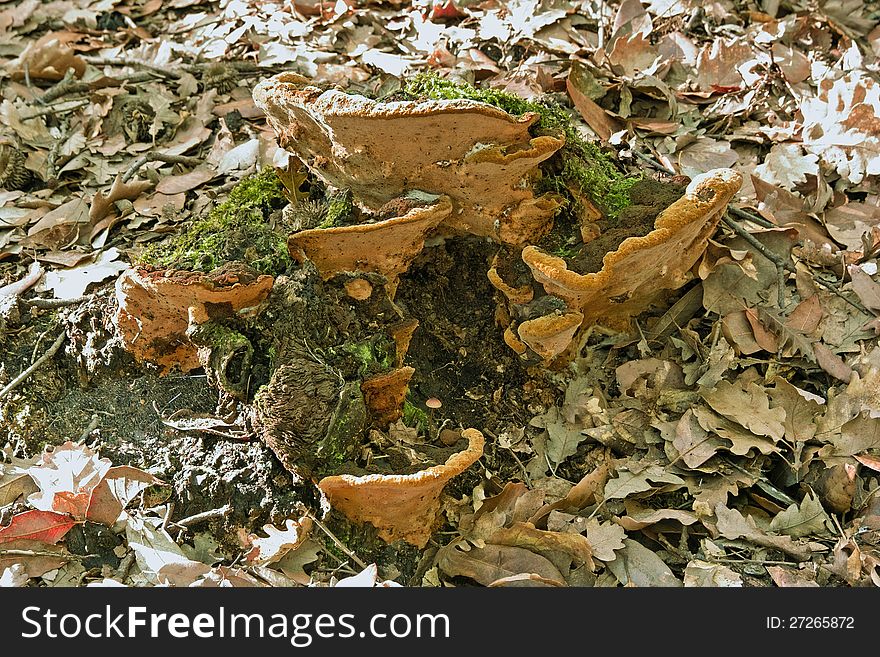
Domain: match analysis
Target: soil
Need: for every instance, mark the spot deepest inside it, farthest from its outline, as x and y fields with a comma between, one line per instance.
x=94, y=390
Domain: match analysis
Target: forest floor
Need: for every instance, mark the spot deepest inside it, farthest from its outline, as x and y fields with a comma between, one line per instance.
x=731, y=438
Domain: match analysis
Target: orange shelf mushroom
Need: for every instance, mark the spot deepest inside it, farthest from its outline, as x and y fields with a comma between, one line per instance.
x=386, y=247
x=384, y=394
x=480, y=156
x=550, y=335
x=400, y=506
x=156, y=307
x=635, y=275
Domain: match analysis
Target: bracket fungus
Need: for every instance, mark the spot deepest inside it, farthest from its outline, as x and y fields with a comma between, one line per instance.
x=550, y=335
x=157, y=307
x=479, y=155
x=385, y=247
x=384, y=394
x=400, y=506
x=641, y=268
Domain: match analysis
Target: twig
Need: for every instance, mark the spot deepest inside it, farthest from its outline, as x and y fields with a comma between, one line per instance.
x=92, y=426
x=70, y=86
x=351, y=555
x=125, y=61
x=198, y=518
x=125, y=565
x=650, y=160
x=33, y=368
x=169, y=509
x=154, y=156
x=775, y=258
x=58, y=108
x=748, y=216
x=12, y=552
x=56, y=303
x=780, y=286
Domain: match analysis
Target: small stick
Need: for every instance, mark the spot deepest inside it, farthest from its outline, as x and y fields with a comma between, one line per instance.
x=56, y=303
x=169, y=509
x=154, y=156
x=92, y=426
x=775, y=258
x=125, y=61
x=754, y=218
x=222, y=512
x=44, y=553
x=70, y=86
x=59, y=108
x=779, y=262
x=780, y=286
x=339, y=544
x=33, y=368
x=654, y=163
x=125, y=565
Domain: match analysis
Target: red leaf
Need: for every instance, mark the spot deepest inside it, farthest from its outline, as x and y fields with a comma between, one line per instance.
x=723, y=89
x=445, y=9
x=71, y=503
x=42, y=526
x=832, y=363
x=869, y=461
x=115, y=491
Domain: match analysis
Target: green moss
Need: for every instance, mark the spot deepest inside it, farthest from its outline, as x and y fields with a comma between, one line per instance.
x=580, y=168
x=339, y=209
x=345, y=429
x=370, y=357
x=413, y=416
x=237, y=229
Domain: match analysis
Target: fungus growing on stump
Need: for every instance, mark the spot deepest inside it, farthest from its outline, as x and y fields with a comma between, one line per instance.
x=641, y=269
x=402, y=507
x=158, y=306
x=386, y=247
x=480, y=156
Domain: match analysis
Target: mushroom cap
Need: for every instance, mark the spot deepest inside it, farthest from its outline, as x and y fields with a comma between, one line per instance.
x=358, y=289
x=513, y=341
x=384, y=394
x=550, y=335
x=400, y=506
x=477, y=154
x=386, y=247
x=155, y=308
x=515, y=295
x=634, y=275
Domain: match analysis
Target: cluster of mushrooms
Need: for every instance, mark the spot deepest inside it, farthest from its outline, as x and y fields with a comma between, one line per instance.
x=420, y=170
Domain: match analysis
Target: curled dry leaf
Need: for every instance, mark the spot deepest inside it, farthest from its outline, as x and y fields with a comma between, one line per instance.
x=493, y=564
x=66, y=477
x=47, y=58
x=279, y=541
x=400, y=506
